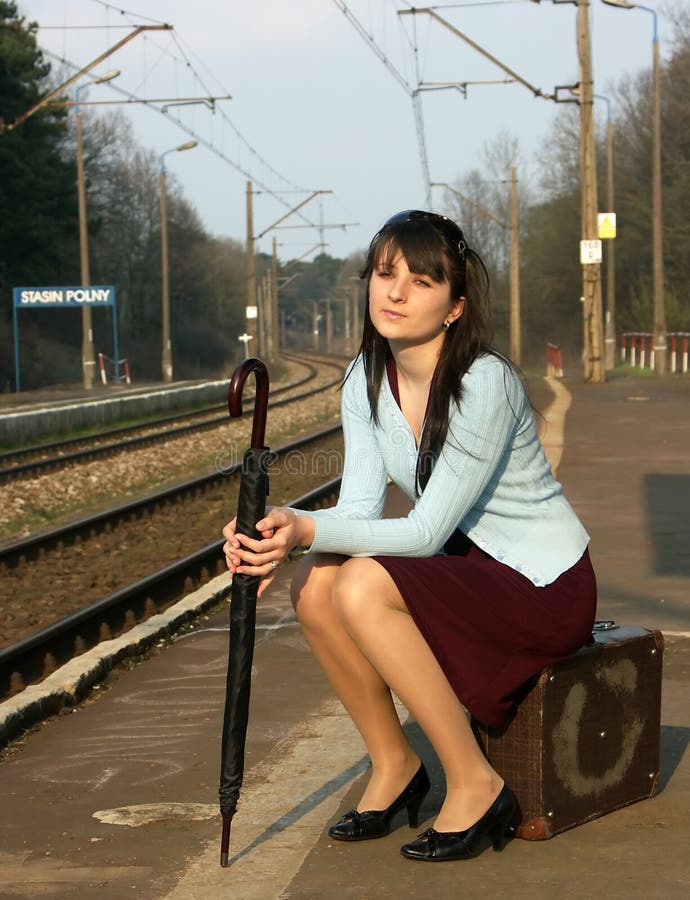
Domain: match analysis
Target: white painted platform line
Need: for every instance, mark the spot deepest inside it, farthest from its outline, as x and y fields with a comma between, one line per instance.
x=553, y=435
x=282, y=812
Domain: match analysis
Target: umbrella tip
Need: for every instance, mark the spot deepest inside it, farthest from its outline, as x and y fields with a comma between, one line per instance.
x=225, y=837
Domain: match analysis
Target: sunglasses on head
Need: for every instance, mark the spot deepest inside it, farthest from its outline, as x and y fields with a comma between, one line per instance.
x=446, y=226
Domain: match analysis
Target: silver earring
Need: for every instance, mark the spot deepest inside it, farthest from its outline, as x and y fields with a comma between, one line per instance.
x=446, y=326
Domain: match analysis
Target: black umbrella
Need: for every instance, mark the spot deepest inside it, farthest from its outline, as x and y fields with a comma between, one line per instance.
x=251, y=507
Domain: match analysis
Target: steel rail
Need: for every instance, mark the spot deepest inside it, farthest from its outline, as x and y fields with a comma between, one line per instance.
x=59, y=461
x=26, y=549
x=34, y=657
x=9, y=456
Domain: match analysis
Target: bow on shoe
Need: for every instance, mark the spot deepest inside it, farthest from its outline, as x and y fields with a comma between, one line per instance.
x=360, y=826
x=493, y=829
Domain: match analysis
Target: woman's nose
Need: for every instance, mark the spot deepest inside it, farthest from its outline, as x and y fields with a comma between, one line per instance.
x=396, y=291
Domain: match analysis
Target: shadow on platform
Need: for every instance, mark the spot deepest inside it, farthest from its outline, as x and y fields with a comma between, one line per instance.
x=667, y=504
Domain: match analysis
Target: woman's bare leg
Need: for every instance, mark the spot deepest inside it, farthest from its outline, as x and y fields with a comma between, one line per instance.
x=363, y=693
x=374, y=614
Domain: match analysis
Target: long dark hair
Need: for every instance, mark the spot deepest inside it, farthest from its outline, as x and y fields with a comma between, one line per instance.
x=435, y=246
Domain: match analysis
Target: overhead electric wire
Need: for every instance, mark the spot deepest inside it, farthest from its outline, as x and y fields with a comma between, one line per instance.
x=186, y=53
x=183, y=58
x=419, y=117
x=190, y=131
x=354, y=21
x=289, y=184
x=127, y=12
x=414, y=93
x=473, y=4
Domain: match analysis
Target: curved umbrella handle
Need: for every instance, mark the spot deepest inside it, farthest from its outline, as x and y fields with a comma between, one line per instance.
x=239, y=376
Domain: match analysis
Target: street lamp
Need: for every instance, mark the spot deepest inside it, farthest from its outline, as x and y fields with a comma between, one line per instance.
x=88, y=363
x=657, y=227
x=167, y=350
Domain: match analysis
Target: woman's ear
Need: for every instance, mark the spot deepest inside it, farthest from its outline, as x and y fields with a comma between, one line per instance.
x=457, y=309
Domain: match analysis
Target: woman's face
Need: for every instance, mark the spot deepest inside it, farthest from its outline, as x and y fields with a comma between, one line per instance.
x=409, y=308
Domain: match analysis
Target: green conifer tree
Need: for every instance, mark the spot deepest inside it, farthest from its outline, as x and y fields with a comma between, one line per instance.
x=38, y=225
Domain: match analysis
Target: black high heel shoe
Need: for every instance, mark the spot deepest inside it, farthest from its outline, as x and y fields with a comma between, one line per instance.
x=493, y=829
x=376, y=823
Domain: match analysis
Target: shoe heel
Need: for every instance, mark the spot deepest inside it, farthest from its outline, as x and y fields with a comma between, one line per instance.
x=501, y=836
x=413, y=808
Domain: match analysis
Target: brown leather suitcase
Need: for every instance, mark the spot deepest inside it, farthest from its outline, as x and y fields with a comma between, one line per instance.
x=585, y=739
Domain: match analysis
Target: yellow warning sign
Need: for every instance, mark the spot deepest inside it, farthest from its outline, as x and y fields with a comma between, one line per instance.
x=607, y=225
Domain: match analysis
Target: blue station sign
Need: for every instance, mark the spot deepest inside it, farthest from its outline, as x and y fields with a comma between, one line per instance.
x=64, y=296
x=80, y=296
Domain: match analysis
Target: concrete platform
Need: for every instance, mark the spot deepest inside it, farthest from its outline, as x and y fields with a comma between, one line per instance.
x=48, y=414
x=118, y=798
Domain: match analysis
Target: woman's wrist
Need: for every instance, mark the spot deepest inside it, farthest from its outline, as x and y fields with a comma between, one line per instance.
x=305, y=530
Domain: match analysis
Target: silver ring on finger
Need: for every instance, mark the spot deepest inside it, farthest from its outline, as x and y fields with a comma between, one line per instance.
x=274, y=565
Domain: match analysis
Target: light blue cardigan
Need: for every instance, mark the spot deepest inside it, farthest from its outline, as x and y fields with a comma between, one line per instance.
x=492, y=481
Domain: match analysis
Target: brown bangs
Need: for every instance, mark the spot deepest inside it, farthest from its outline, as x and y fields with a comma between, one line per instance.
x=422, y=249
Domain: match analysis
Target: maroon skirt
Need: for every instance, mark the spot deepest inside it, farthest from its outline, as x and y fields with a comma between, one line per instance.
x=488, y=626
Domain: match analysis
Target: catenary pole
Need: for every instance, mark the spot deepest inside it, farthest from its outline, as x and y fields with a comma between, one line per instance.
x=593, y=355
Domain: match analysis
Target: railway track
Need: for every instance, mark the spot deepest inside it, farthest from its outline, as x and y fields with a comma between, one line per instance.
x=70, y=587
x=104, y=562
x=31, y=461
x=32, y=659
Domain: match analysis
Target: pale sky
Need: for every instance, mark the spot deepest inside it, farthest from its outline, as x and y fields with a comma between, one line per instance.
x=317, y=107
